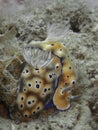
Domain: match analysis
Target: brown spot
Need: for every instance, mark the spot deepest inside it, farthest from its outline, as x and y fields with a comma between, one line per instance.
x=3, y=111
x=80, y=56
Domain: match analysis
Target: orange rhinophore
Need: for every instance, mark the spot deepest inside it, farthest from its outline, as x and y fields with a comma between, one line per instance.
x=61, y=99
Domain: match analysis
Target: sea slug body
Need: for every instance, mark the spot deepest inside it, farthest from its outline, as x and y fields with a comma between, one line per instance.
x=48, y=75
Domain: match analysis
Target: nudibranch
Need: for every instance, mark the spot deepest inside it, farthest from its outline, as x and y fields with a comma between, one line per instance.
x=48, y=75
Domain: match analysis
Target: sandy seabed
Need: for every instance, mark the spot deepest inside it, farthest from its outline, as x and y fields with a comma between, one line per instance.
x=31, y=20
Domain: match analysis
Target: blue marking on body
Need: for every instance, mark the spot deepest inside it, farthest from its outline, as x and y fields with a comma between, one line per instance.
x=49, y=105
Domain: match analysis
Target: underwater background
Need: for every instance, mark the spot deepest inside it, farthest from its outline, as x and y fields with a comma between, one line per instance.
x=72, y=22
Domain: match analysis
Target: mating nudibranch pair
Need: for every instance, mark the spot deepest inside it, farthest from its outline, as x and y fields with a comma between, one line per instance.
x=47, y=76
